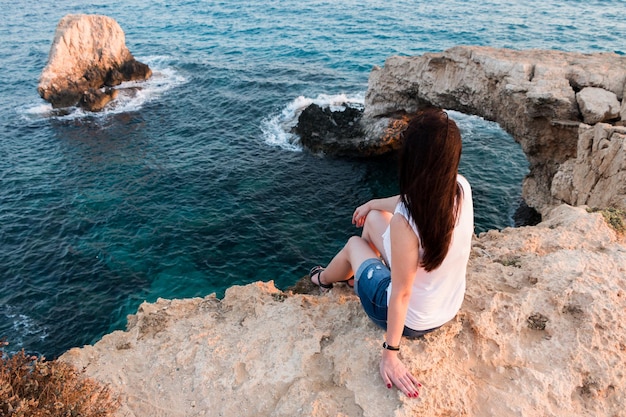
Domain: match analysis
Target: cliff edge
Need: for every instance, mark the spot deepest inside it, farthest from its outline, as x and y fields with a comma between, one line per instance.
x=540, y=332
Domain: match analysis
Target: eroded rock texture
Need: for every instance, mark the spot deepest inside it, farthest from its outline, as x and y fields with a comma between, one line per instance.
x=540, y=333
x=544, y=99
x=88, y=53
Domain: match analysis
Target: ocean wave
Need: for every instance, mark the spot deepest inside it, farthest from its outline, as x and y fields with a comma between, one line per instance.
x=132, y=95
x=277, y=129
x=22, y=326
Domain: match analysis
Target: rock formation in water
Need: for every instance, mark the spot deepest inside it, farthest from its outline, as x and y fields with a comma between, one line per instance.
x=566, y=110
x=541, y=332
x=339, y=133
x=88, y=56
x=330, y=132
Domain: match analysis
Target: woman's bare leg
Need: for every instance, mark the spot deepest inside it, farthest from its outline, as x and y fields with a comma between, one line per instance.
x=375, y=225
x=342, y=266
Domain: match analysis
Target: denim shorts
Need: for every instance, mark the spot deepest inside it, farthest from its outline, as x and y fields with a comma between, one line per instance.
x=371, y=281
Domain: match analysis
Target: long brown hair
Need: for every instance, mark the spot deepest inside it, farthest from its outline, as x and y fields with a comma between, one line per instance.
x=429, y=163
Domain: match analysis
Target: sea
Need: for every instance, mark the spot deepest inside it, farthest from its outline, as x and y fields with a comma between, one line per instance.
x=195, y=182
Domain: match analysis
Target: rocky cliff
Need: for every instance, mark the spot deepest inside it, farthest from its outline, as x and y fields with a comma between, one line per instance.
x=541, y=332
x=566, y=110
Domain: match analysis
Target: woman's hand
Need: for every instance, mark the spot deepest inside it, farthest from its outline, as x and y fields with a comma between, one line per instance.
x=360, y=213
x=383, y=204
x=395, y=373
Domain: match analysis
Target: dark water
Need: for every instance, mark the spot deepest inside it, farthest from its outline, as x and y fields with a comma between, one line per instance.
x=194, y=184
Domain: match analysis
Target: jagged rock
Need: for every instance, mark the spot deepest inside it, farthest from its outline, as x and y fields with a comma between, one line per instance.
x=597, y=176
x=597, y=105
x=540, y=333
x=88, y=52
x=531, y=94
x=95, y=100
x=129, y=71
x=330, y=132
x=340, y=133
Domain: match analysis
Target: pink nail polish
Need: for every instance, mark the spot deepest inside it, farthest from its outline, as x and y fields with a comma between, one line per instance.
x=389, y=386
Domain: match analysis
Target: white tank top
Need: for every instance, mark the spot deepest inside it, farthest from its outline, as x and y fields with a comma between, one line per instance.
x=437, y=295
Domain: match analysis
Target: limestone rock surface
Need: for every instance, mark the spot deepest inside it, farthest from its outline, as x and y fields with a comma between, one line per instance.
x=88, y=53
x=541, y=332
x=597, y=105
x=532, y=94
x=597, y=176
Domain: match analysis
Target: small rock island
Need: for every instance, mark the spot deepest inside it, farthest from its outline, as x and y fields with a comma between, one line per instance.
x=88, y=57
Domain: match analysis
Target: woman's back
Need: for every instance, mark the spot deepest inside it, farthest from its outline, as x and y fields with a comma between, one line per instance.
x=437, y=295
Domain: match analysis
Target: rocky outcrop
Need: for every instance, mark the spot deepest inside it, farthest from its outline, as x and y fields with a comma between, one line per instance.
x=597, y=176
x=545, y=99
x=340, y=133
x=332, y=132
x=87, y=54
x=597, y=105
x=541, y=332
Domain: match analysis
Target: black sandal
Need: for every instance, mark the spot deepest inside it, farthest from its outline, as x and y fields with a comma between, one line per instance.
x=317, y=270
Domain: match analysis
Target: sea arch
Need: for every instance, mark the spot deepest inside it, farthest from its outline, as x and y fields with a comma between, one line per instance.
x=575, y=148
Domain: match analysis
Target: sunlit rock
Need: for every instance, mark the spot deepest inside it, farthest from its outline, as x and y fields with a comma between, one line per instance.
x=541, y=333
x=597, y=105
x=531, y=94
x=88, y=53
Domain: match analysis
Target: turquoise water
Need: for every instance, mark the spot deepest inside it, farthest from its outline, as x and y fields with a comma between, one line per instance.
x=195, y=184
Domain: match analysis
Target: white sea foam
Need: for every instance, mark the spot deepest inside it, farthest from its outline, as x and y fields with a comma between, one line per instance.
x=22, y=325
x=132, y=96
x=277, y=129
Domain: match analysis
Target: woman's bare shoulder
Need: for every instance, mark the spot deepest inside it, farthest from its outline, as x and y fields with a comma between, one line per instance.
x=463, y=181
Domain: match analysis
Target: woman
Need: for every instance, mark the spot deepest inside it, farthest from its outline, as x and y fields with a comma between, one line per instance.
x=410, y=262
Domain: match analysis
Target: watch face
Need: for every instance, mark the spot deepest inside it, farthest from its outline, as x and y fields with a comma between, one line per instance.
x=389, y=347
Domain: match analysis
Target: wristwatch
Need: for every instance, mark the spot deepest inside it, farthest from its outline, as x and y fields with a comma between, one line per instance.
x=389, y=347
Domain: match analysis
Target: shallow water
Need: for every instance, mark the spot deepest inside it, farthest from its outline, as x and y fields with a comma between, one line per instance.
x=195, y=184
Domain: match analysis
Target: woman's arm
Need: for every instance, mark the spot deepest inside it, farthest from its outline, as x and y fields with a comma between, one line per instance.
x=405, y=255
x=383, y=204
